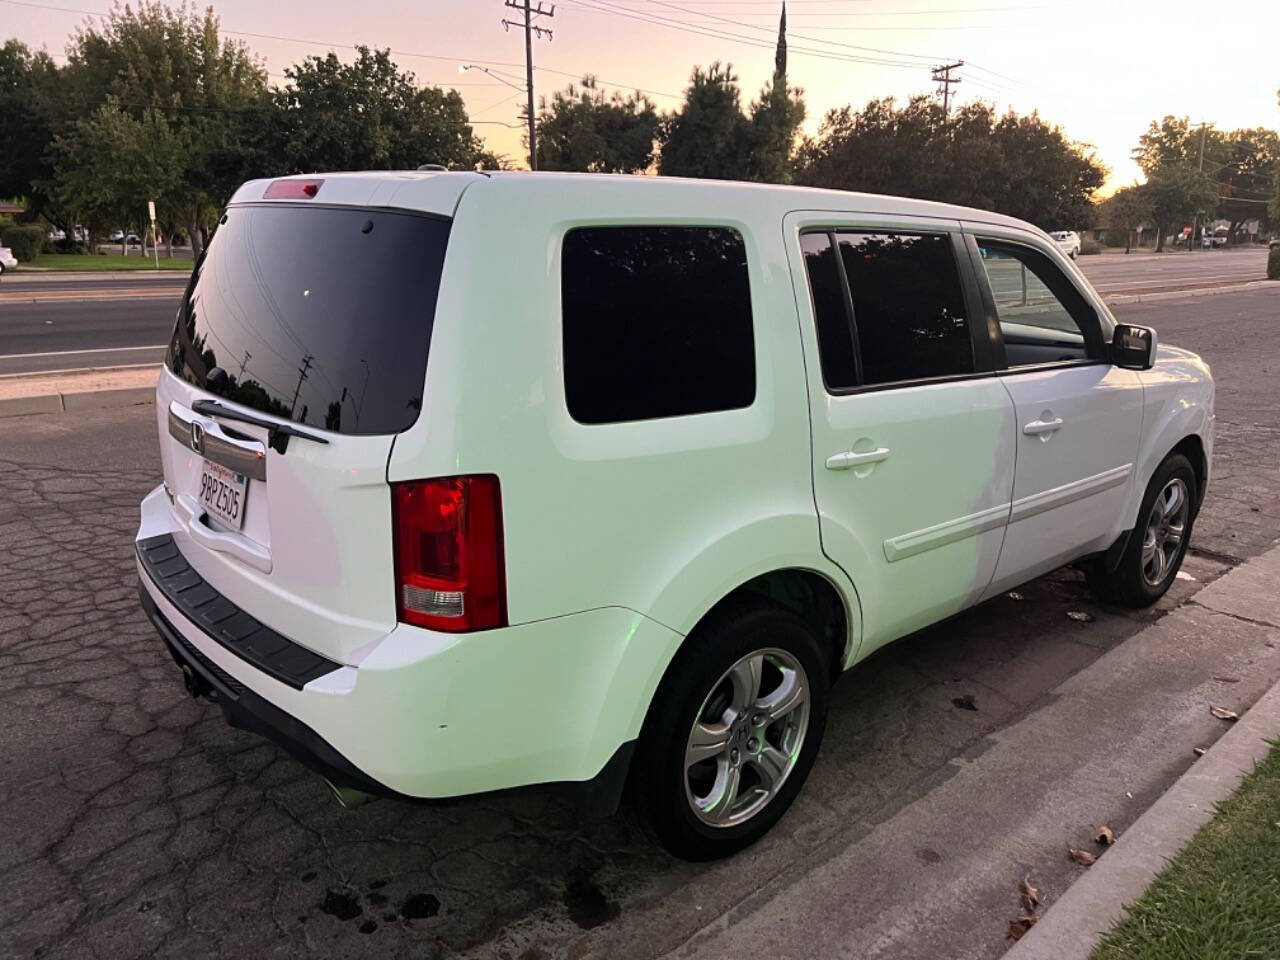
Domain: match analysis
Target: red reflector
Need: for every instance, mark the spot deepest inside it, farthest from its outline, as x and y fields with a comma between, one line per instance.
x=292, y=189
x=448, y=553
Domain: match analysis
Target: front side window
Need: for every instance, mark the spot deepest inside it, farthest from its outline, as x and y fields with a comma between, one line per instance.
x=908, y=306
x=657, y=322
x=1043, y=318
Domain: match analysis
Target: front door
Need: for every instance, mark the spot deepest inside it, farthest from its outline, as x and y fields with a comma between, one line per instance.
x=1079, y=419
x=912, y=434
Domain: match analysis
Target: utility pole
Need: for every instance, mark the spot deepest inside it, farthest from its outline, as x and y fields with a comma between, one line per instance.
x=307, y=360
x=942, y=77
x=530, y=29
x=244, y=363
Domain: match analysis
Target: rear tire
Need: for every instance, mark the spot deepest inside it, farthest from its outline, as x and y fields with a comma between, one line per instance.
x=1158, y=542
x=733, y=731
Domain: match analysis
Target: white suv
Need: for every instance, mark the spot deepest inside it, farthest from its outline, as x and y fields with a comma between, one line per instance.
x=580, y=479
x=1068, y=242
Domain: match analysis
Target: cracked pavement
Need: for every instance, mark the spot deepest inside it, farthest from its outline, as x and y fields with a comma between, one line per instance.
x=137, y=823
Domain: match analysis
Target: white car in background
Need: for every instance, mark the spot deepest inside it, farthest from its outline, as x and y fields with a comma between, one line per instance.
x=626, y=507
x=7, y=260
x=1068, y=242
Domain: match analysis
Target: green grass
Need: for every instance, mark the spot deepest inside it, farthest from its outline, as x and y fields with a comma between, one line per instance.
x=86, y=261
x=1219, y=899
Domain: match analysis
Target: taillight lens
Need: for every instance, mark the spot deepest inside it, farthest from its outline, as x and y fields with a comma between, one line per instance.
x=448, y=547
x=292, y=189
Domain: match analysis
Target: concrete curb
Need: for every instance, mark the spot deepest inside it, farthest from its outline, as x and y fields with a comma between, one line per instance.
x=1072, y=926
x=1190, y=292
x=63, y=276
x=76, y=402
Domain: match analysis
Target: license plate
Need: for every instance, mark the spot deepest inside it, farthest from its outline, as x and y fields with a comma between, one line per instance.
x=223, y=492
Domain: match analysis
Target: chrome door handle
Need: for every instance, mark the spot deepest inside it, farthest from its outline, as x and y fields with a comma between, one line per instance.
x=1038, y=427
x=848, y=459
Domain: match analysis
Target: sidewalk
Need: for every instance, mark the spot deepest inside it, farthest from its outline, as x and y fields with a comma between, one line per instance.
x=941, y=876
x=68, y=391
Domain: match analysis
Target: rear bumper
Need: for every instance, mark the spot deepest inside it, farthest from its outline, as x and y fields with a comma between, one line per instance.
x=423, y=715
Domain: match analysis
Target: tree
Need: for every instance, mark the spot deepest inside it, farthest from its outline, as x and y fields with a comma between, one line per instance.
x=1128, y=209
x=776, y=119
x=1013, y=164
x=1178, y=192
x=582, y=129
x=708, y=136
x=109, y=164
x=1249, y=177
x=171, y=63
x=24, y=129
x=368, y=115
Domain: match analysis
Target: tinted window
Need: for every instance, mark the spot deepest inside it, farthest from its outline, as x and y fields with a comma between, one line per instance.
x=1043, y=318
x=831, y=312
x=320, y=315
x=657, y=322
x=908, y=307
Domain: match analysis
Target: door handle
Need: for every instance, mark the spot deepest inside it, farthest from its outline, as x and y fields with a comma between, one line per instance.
x=1041, y=427
x=849, y=459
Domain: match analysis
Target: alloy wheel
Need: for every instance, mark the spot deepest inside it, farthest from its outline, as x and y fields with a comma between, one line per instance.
x=1166, y=528
x=746, y=737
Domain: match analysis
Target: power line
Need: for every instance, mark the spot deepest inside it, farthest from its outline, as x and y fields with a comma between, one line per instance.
x=531, y=30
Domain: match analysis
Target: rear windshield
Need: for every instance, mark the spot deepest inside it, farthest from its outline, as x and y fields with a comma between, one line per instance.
x=320, y=315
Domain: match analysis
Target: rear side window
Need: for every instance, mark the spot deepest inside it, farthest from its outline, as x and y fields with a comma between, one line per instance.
x=908, y=306
x=657, y=322
x=320, y=315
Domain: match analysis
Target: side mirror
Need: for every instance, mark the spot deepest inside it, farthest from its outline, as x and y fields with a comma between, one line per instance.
x=1133, y=347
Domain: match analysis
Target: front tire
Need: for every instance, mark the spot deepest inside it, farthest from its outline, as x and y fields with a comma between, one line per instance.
x=1158, y=542
x=733, y=731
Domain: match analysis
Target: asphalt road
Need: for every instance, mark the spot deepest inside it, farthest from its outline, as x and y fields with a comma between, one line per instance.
x=137, y=823
x=54, y=324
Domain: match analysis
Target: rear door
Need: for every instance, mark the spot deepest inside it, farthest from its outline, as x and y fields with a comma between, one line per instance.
x=1079, y=418
x=299, y=353
x=912, y=434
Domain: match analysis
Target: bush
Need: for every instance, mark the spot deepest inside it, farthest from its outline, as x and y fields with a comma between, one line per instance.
x=1273, y=264
x=1089, y=247
x=25, y=241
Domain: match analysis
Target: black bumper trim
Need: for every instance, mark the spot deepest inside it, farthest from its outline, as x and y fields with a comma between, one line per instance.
x=246, y=710
x=224, y=622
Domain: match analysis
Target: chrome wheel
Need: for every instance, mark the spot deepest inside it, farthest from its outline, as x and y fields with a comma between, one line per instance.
x=746, y=738
x=1166, y=528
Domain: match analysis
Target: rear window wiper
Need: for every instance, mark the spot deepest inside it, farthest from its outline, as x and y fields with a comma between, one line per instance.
x=278, y=434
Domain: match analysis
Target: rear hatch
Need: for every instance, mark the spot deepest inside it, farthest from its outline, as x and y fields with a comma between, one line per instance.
x=299, y=353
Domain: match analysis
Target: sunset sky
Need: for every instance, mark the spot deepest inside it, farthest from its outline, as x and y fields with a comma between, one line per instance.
x=1101, y=69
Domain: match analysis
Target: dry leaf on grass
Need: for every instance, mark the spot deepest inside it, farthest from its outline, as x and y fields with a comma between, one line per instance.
x=1080, y=616
x=1104, y=836
x=1020, y=926
x=1082, y=857
x=1199, y=751
x=1030, y=895
x=1223, y=714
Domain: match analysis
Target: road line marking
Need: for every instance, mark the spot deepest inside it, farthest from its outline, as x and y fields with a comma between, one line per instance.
x=67, y=353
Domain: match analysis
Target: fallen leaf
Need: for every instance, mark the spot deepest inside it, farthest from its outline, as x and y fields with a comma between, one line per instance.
x=1226, y=679
x=1183, y=575
x=1082, y=857
x=1080, y=616
x=1019, y=927
x=1104, y=836
x=1014, y=595
x=1199, y=751
x=964, y=703
x=1128, y=794
x=1222, y=714
x=1030, y=895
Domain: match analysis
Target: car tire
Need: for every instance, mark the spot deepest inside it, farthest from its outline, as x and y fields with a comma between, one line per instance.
x=1151, y=559
x=718, y=764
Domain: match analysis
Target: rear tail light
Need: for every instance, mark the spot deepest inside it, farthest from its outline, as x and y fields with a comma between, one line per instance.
x=292, y=189
x=448, y=551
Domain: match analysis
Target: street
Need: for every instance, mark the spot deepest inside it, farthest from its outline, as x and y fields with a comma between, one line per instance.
x=140, y=824
x=48, y=323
